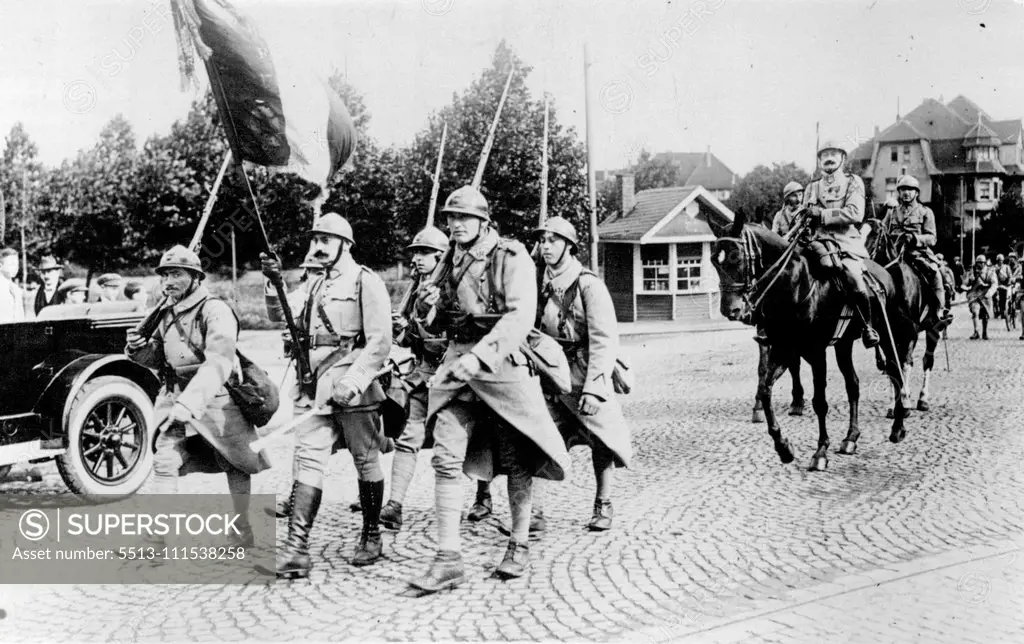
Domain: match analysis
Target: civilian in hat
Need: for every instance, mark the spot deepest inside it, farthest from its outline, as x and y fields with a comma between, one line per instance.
x=73, y=291
x=110, y=287
x=12, y=300
x=49, y=293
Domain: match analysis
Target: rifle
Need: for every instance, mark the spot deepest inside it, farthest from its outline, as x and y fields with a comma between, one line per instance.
x=147, y=327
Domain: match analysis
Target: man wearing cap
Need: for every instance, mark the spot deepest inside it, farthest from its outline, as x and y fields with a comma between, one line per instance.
x=346, y=321
x=484, y=399
x=194, y=351
x=912, y=225
x=110, y=287
x=835, y=210
x=576, y=309
x=980, y=284
x=12, y=299
x=48, y=294
x=428, y=350
x=73, y=291
x=785, y=218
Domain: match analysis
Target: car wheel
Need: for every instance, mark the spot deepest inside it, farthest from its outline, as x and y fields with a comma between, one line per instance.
x=110, y=431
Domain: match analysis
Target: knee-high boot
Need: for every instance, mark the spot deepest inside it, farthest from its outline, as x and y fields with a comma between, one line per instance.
x=293, y=559
x=371, y=496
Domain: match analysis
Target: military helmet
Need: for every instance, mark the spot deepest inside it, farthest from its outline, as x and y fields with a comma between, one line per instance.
x=1000, y=257
x=1012, y=255
x=331, y=223
x=561, y=227
x=832, y=144
x=429, y=238
x=909, y=182
x=980, y=259
x=467, y=200
x=181, y=257
x=790, y=188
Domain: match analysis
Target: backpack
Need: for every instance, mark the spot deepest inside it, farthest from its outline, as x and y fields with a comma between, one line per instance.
x=622, y=375
x=254, y=392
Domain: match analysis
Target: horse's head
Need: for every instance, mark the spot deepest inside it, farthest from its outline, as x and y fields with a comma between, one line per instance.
x=732, y=259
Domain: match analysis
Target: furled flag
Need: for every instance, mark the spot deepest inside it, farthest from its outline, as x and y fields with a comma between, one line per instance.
x=278, y=117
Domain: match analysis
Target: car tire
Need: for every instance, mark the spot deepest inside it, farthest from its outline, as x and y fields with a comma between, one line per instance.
x=103, y=409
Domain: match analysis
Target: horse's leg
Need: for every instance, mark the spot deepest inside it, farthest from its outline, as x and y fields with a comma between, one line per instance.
x=844, y=358
x=895, y=368
x=797, y=407
x=819, y=462
x=931, y=342
x=774, y=367
x=762, y=375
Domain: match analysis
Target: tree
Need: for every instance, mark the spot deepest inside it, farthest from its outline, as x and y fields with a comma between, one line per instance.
x=511, y=180
x=759, y=192
x=21, y=176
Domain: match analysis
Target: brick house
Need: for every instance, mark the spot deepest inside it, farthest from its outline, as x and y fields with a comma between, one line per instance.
x=964, y=159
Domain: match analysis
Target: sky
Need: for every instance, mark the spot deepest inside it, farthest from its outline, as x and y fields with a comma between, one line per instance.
x=748, y=78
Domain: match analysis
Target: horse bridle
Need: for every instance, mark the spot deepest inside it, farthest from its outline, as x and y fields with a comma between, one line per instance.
x=753, y=287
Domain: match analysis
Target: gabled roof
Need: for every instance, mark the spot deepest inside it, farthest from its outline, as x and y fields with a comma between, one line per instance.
x=1009, y=131
x=657, y=208
x=936, y=121
x=981, y=134
x=902, y=131
x=700, y=169
x=967, y=109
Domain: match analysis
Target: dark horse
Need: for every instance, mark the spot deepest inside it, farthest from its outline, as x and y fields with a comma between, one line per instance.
x=759, y=273
x=912, y=293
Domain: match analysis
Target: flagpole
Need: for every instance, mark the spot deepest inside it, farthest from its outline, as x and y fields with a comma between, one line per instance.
x=591, y=179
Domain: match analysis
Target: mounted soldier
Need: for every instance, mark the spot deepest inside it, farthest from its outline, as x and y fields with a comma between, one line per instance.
x=346, y=325
x=194, y=351
x=428, y=350
x=485, y=397
x=912, y=225
x=835, y=210
x=785, y=218
x=576, y=309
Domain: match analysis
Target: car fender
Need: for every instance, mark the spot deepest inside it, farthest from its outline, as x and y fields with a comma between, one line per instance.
x=66, y=383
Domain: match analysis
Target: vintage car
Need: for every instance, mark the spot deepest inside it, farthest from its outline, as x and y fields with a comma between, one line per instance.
x=68, y=392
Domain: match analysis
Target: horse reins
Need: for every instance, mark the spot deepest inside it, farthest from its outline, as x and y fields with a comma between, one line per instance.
x=753, y=284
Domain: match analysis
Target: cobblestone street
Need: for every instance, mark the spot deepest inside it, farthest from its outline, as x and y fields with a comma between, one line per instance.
x=714, y=539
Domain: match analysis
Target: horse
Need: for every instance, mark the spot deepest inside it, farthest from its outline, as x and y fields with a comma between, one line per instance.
x=796, y=407
x=912, y=293
x=761, y=274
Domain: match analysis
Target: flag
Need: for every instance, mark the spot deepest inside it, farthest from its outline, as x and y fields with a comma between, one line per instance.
x=275, y=116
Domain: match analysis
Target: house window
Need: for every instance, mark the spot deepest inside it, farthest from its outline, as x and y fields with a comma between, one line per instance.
x=894, y=154
x=656, y=271
x=906, y=153
x=890, y=187
x=985, y=190
x=688, y=261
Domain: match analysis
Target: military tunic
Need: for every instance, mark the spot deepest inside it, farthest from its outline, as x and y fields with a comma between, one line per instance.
x=590, y=336
x=428, y=350
x=841, y=199
x=347, y=317
x=505, y=383
x=981, y=286
x=784, y=220
x=211, y=326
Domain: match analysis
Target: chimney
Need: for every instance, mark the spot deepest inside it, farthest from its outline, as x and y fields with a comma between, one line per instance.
x=627, y=185
x=877, y=131
x=707, y=157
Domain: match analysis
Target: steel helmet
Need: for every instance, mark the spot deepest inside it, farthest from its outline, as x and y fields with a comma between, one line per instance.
x=429, y=238
x=831, y=144
x=907, y=181
x=331, y=223
x=181, y=257
x=467, y=200
x=1000, y=257
x=561, y=227
x=1012, y=255
x=980, y=259
x=790, y=188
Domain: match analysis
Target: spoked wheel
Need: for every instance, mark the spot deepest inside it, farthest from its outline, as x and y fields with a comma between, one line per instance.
x=110, y=430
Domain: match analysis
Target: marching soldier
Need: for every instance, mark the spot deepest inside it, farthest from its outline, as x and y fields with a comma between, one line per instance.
x=1004, y=275
x=346, y=321
x=576, y=309
x=485, y=390
x=835, y=206
x=428, y=350
x=980, y=284
x=913, y=225
x=785, y=218
x=49, y=293
x=193, y=349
